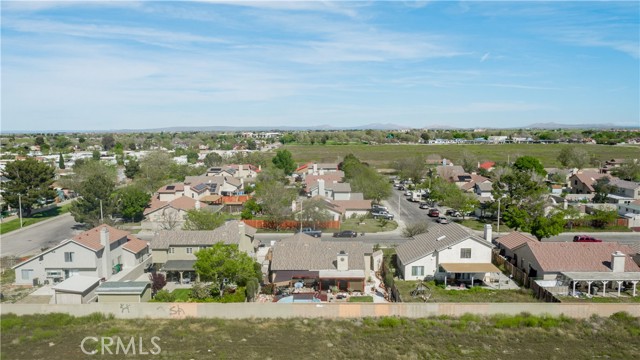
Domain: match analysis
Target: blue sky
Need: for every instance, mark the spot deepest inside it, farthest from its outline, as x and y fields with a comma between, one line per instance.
x=136, y=65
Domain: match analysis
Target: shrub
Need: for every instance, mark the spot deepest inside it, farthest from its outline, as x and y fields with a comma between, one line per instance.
x=415, y=228
x=164, y=296
x=390, y=322
x=269, y=289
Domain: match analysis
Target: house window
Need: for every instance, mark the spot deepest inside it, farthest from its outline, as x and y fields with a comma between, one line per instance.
x=417, y=271
x=26, y=274
x=172, y=250
x=465, y=253
x=189, y=250
x=68, y=257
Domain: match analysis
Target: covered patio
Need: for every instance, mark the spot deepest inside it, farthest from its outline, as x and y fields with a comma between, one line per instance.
x=468, y=272
x=180, y=270
x=610, y=279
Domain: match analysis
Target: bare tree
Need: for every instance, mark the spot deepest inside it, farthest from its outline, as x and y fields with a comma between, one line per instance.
x=171, y=220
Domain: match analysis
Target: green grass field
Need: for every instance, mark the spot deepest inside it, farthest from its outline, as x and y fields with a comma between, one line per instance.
x=382, y=155
x=12, y=225
x=58, y=336
x=369, y=226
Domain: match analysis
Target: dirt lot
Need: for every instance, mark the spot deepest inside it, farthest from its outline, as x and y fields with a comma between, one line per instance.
x=58, y=336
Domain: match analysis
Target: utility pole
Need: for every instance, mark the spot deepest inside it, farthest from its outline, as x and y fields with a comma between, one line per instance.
x=301, y=201
x=20, y=206
x=101, y=214
x=499, y=217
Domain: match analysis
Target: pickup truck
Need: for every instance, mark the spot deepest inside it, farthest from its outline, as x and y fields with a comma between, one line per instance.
x=381, y=214
x=311, y=232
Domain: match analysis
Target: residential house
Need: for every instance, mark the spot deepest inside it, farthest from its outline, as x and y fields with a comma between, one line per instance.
x=220, y=171
x=508, y=242
x=484, y=189
x=497, y=139
x=323, y=264
x=449, y=172
x=631, y=212
x=174, y=250
x=625, y=192
x=547, y=260
x=473, y=179
x=162, y=215
x=345, y=209
x=170, y=192
x=582, y=182
x=197, y=187
x=316, y=168
x=99, y=252
x=446, y=249
x=333, y=190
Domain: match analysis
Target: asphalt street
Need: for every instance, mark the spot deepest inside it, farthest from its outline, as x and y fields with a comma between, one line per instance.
x=30, y=240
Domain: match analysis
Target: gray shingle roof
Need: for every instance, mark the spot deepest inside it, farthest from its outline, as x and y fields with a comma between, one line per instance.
x=120, y=287
x=229, y=233
x=314, y=254
x=339, y=187
x=425, y=244
x=624, y=184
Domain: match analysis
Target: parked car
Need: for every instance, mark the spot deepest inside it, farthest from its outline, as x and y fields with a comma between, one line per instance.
x=310, y=232
x=408, y=193
x=585, y=238
x=381, y=215
x=424, y=205
x=454, y=213
x=442, y=220
x=345, y=234
x=434, y=213
x=375, y=207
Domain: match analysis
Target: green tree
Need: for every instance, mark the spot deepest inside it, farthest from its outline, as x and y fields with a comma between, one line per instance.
x=602, y=188
x=274, y=196
x=413, y=168
x=39, y=140
x=213, y=159
x=29, y=182
x=226, y=262
x=415, y=228
x=131, y=168
x=602, y=218
x=250, y=209
x=61, y=142
x=469, y=161
x=313, y=212
x=574, y=157
x=629, y=170
x=192, y=156
x=95, y=182
x=529, y=163
x=461, y=201
x=131, y=202
x=108, y=142
x=61, y=162
x=365, y=179
x=155, y=170
x=284, y=160
x=95, y=155
x=203, y=219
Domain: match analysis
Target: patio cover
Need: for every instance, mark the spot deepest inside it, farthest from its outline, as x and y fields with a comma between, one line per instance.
x=178, y=265
x=599, y=276
x=469, y=268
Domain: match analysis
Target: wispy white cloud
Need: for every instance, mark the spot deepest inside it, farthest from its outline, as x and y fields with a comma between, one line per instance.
x=484, y=57
x=348, y=9
x=599, y=38
x=106, y=31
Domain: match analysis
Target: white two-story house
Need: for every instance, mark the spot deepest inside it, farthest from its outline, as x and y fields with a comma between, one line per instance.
x=100, y=252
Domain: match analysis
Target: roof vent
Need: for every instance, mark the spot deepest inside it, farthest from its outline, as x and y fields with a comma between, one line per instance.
x=441, y=237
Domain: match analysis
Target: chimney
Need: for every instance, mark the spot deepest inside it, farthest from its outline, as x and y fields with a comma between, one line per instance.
x=315, y=168
x=617, y=261
x=107, y=267
x=321, y=187
x=488, y=232
x=321, y=172
x=241, y=229
x=343, y=261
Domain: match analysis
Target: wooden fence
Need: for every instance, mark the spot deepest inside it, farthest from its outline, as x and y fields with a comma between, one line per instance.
x=289, y=224
x=523, y=279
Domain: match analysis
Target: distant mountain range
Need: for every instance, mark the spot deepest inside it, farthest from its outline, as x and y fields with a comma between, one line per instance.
x=326, y=127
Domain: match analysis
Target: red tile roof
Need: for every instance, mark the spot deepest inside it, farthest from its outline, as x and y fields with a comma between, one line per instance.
x=514, y=239
x=487, y=165
x=135, y=245
x=154, y=205
x=586, y=257
x=589, y=178
x=167, y=189
x=91, y=238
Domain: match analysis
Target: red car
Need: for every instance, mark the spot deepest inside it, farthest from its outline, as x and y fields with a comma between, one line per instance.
x=585, y=238
x=434, y=213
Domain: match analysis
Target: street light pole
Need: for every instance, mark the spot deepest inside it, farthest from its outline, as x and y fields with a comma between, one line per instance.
x=499, y=217
x=20, y=206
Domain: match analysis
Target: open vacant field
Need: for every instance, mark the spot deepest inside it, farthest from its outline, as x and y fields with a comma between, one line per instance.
x=383, y=155
x=58, y=336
